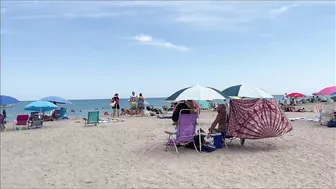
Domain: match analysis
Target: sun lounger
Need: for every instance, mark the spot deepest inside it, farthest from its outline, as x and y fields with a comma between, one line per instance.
x=165, y=116
x=93, y=118
x=185, y=132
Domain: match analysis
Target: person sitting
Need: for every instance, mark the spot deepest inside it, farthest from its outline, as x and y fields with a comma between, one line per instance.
x=181, y=108
x=125, y=111
x=301, y=109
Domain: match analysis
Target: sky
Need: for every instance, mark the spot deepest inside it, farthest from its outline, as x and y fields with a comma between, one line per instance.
x=93, y=49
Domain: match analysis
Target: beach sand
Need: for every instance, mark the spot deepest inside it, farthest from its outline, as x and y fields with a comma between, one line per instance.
x=132, y=154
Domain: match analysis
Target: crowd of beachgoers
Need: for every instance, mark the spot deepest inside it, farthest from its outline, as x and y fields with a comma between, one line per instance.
x=121, y=151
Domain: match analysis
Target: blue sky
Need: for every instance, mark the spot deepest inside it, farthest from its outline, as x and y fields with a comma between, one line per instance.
x=90, y=49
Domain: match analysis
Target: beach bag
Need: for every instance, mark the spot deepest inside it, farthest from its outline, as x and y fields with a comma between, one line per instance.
x=112, y=104
x=331, y=123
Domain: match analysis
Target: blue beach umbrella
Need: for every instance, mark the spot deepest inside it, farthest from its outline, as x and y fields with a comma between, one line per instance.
x=56, y=99
x=6, y=100
x=40, y=106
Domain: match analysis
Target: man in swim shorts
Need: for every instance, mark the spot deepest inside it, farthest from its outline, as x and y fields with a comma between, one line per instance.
x=133, y=105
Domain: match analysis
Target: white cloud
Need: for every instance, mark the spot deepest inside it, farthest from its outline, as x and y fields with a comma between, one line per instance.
x=32, y=17
x=149, y=40
x=281, y=10
x=68, y=16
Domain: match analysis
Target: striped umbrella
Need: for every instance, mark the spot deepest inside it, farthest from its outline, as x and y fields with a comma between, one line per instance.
x=246, y=91
x=196, y=93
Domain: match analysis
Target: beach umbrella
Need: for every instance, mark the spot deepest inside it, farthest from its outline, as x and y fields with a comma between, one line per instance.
x=246, y=91
x=56, y=99
x=6, y=100
x=40, y=106
x=196, y=93
x=296, y=95
x=327, y=91
x=333, y=96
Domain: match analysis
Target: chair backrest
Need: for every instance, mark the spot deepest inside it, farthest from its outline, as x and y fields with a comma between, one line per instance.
x=56, y=114
x=33, y=113
x=186, y=127
x=22, y=119
x=93, y=117
x=62, y=112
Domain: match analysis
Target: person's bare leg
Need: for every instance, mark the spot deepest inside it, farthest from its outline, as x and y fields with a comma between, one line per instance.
x=114, y=112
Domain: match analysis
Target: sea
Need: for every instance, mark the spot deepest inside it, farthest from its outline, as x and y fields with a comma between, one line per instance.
x=80, y=108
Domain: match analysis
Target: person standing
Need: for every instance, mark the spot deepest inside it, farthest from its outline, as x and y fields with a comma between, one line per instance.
x=133, y=106
x=4, y=113
x=285, y=98
x=141, y=105
x=115, y=105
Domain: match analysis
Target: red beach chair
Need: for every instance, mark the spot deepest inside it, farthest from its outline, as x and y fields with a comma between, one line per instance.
x=21, y=121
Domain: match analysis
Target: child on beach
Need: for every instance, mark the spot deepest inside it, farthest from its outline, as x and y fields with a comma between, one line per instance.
x=133, y=106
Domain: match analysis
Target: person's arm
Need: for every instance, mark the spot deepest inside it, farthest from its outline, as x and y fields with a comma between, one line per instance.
x=214, y=123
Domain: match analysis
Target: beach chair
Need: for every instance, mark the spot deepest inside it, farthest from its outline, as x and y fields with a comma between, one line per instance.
x=185, y=131
x=56, y=115
x=63, y=113
x=36, y=122
x=21, y=121
x=93, y=118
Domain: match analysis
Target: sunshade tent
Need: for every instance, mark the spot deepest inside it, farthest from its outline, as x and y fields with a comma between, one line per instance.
x=244, y=91
x=326, y=91
x=296, y=95
x=56, y=99
x=5, y=100
x=40, y=106
x=203, y=104
x=196, y=93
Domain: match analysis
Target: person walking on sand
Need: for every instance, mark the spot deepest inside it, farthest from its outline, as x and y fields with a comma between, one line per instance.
x=115, y=105
x=141, y=105
x=132, y=100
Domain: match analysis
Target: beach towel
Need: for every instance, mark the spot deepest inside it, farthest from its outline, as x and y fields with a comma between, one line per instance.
x=256, y=119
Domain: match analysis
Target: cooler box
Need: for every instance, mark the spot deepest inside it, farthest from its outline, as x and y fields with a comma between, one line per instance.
x=217, y=138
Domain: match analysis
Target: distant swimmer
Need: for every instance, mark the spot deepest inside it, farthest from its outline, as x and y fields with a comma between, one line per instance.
x=73, y=111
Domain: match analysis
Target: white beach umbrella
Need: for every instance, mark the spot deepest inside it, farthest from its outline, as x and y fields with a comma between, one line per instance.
x=196, y=93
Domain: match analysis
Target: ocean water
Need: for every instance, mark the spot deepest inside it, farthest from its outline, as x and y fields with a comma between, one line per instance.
x=82, y=107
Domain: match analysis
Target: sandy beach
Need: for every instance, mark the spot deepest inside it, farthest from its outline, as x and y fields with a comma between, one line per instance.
x=131, y=154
